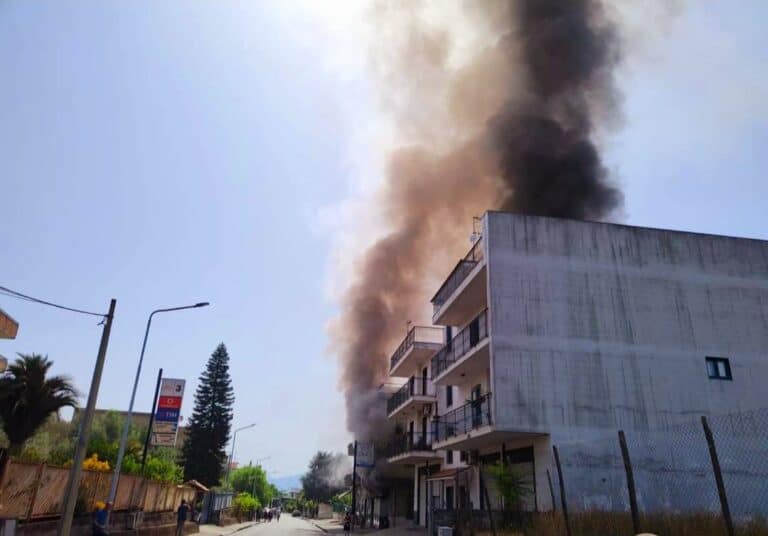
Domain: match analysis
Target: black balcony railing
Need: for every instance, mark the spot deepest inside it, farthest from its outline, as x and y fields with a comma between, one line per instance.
x=416, y=335
x=409, y=442
x=463, y=342
x=472, y=415
x=415, y=386
x=458, y=275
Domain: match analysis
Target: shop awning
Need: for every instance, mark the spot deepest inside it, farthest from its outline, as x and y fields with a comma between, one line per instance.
x=445, y=474
x=197, y=485
x=8, y=326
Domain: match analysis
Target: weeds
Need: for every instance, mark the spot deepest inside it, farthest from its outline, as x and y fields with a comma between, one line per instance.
x=620, y=524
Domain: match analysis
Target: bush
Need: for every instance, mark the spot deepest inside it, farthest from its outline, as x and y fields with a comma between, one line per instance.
x=94, y=464
x=245, y=505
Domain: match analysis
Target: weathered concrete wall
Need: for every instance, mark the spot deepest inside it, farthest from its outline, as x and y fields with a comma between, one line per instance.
x=598, y=326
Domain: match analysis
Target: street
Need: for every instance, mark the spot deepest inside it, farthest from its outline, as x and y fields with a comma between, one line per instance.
x=286, y=525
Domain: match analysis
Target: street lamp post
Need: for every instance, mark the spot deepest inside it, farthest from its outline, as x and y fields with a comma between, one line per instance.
x=258, y=464
x=232, y=453
x=127, y=425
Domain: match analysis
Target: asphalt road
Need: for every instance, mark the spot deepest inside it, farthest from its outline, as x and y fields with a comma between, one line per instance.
x=286, y=525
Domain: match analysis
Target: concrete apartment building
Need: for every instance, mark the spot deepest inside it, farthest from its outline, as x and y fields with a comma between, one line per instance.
x=556, y=331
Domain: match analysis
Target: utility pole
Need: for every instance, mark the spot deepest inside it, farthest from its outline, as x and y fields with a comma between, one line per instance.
x=70, y=496
x=151, y=421
x=354, y=486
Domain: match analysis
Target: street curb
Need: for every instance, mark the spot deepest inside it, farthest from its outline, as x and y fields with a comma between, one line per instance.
x=243, y=528
x=318, y=526
x=236, y=530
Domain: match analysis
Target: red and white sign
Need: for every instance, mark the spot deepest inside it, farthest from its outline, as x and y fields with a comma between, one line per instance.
x=169, y=402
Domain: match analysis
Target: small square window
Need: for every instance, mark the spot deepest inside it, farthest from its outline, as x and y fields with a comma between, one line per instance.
x=719, y=368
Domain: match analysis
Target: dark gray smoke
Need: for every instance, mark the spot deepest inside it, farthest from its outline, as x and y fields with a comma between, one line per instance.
x=510, y=126
x=547, y=156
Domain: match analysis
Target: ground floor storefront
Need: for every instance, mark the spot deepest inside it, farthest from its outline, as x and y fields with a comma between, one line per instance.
x=469, y=485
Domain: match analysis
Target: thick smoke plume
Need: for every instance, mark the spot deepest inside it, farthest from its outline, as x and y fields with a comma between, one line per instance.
x=497, y=107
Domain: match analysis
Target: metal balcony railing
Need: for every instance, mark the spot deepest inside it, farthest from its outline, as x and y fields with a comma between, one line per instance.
x=409, y=442
x=463, y=342
x=458, y=275
x=416, y=335
x=472, y=415
x=415, y=386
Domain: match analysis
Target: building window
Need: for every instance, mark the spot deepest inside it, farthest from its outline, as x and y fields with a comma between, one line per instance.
x=449, y=457
x=719, y=368
x=463, y=456
x=449, y=396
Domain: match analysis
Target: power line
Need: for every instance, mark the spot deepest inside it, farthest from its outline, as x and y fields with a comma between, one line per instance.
x=19, y=296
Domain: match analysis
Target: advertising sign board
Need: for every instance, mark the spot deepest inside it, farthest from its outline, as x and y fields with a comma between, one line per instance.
x=365, y=457
x=168, y=412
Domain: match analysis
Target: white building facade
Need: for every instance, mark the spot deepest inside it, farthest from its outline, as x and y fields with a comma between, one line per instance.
x=557, y=330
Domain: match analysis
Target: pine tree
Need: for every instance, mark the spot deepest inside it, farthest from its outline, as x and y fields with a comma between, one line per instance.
x=204, y=455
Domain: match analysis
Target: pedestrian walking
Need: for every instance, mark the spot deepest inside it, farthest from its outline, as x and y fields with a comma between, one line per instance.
x=101, y=519
x=347, y=523
x=181, y=517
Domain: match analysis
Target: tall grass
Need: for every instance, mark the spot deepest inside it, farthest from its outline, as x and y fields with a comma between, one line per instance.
x=620, y=524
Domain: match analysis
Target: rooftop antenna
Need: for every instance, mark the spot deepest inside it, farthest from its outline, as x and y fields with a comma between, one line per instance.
x=477, y=228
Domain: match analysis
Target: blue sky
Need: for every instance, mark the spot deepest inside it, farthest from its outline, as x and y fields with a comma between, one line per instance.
x=165, y=153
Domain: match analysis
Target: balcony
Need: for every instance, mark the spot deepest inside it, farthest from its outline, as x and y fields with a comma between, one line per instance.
x=417, y=392
x=467, y=353
x=464, y=291
x=410, y=448
x=460, y=422
x=421, y=343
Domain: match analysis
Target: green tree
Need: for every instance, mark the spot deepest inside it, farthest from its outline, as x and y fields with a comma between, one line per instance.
x=325, y=477
x=209, y=427
x=253, y=480
x=28, y=398
x=105, y=437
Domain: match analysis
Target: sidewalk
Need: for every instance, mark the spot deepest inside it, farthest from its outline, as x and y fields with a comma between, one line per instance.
x=335, y=527
x=215, y=530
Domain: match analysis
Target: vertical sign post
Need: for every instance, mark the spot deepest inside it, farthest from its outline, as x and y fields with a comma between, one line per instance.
x=166, y=423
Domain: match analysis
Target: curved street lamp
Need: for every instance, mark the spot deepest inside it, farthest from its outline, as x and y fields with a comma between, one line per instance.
x=127, y=425
x=232, y=453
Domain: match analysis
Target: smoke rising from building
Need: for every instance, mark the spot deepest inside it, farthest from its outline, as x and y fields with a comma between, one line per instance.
x=497, y=107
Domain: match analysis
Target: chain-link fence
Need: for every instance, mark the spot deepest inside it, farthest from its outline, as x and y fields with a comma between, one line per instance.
x=673, y=470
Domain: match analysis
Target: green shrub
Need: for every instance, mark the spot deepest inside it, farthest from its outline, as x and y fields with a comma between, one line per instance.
x=244, y=505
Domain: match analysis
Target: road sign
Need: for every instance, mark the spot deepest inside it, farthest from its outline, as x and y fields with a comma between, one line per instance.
x=164, y=440
x=169, y=402
x=172, y=387
x=168, y=412
x=164, y=428
x=365, y=456
x=167, y=415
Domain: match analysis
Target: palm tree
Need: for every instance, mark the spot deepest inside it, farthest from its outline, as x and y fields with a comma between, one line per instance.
x=28, y=398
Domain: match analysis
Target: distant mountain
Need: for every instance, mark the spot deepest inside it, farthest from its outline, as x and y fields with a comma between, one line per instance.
x=286, y=483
